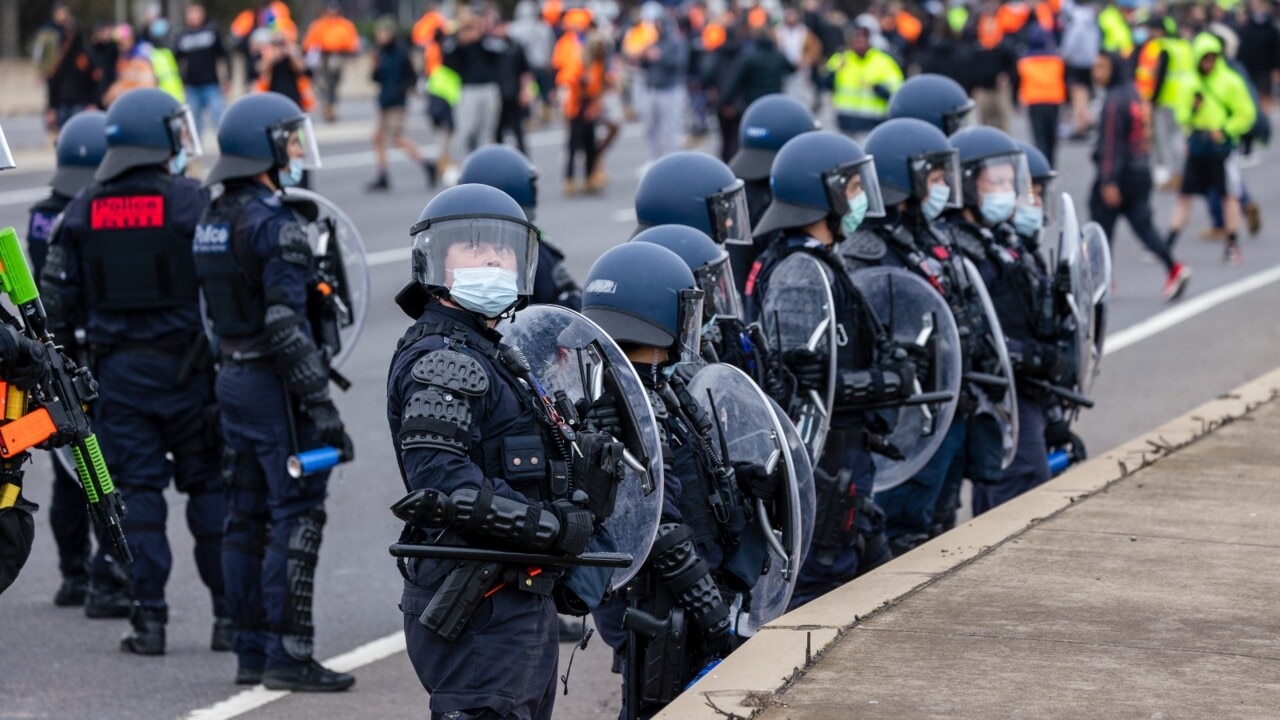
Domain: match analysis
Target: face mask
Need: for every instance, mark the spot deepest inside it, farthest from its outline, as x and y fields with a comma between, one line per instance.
x=936, y=202
x=293, y=175
x=1141, y=35
x=998, y=206
x=159, y=28
x=178, y=162
x=1027, y=219
x=850, y=221
x=489, y=291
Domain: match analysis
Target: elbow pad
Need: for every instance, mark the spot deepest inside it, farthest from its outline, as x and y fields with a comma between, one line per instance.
x=297, y=358
x=864, y=387
x=480, y=515
x=688, y=577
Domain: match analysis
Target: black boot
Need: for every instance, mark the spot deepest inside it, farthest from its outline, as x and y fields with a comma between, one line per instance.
x=248, y=675
x=147, y=636
x=310, y=676
x=379, y=185
x=104, y=600
x=224, y=634
x=433, y=173
x=72, y=592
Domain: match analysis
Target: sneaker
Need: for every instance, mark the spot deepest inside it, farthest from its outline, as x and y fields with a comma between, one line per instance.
x=310, y=676
x=1252, y=218
x=107, y=603
x=1232, y=256
x=72, y=592
x=571, y=188
x=147, y=635
x=224, y=634
x=1177, y=282
x=379, y=185
x=1213, y=234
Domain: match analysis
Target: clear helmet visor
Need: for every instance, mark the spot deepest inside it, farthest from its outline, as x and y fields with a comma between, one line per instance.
x=997, y=174
x=730, y=216
x=847, y=182
x=935, y=168
x=721, y=293
x=1041, y=192
x=183, y=136
x=689, y=343
x=295, y=138
x=6, y=157
x=442, y=246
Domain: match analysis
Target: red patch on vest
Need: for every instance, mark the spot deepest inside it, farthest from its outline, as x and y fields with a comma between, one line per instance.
x=751, y=278
x=940, y=252
x=127, y=212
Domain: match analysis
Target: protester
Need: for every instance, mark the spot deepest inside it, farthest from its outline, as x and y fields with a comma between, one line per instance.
x=330, y=41
x=200, y=53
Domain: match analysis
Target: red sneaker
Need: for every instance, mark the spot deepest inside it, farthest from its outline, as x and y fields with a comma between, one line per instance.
x=1177, y=282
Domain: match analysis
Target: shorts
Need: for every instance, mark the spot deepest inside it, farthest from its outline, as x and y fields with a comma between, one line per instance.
x=391, y=122
x=1203, y=174
x=1080, y=76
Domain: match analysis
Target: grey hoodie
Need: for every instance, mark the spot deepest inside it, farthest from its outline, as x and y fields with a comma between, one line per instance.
x=532, y=34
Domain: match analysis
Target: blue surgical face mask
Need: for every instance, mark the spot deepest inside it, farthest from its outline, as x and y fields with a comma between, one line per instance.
x=1141, y=36
x=489, y=291
x=1028, y=219
x=292, y=175
x=933, y=205
x=997, y=207
x=159, y=28
x=852, y=220
x=178, y=163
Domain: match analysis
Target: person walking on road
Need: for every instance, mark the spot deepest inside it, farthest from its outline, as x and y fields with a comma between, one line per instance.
x=1123, y=157
x=1042, y=88
x=863, y=80
x=473, y=54
x=394, y=75
x=330, y=40
x=665, y=65
x=200, y=52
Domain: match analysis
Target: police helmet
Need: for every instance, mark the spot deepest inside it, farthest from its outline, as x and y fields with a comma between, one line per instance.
x=6, y=157
x=695, y=189
x=935, y=99
x=81, y=144
x=907, y=151
x=983, y=147
x=146, y=126
x=1041, y=172
x=256, y=135
x=811, y=179
x=507, y=169
x=644, y=294
x=491, y=229
x=709, y=263
x=768, y=123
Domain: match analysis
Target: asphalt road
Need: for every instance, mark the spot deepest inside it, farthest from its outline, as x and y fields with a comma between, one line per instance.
x=56, y=664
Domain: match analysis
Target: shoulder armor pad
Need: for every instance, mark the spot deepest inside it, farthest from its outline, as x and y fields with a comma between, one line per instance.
x=968, y=243
x=436, y=418
x=864, y=245
x=452, y=370
x=659, y=406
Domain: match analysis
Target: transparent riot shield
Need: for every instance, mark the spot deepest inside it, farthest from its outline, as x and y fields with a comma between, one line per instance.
x=1004, y=410
x=1074, y=265
x=1098, y=250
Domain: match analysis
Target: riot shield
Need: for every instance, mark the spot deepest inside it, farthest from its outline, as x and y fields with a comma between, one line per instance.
x=569, y=354
x=918, y=319
x=340, y=259
x=799, y=311
x=1005, y=411
x=1096, y=247
x=751, y=432
x=1074, y=265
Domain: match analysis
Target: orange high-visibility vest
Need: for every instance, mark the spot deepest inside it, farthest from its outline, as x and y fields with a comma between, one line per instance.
x=989, y=33
x=638, y=38
x=1012, y=16
x=332, y=35
x=908, y=26
x=248, y=20
x=713, y=36
x=423, y=35
x=1042, y=80
x=1047, y=16
x=1144, y=73
x=566, y=58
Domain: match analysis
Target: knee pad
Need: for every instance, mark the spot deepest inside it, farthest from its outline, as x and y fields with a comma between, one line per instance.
x=297, y=629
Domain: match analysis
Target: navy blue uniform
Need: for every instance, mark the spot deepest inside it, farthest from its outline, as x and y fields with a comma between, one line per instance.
x=120, y=266
x=552, y=283
x=274, y=521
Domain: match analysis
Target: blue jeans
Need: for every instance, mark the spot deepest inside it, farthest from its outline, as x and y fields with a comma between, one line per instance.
x=206, y=97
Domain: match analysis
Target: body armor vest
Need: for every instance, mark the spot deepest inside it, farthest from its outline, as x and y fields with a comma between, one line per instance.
x=230, y=272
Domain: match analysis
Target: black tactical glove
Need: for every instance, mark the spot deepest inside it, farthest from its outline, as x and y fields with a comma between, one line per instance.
x=755, y=481
x=596, y=471
x=602, y=414
x=329, y=427
x=576, y=526
x=25, y=359
x=1043, y=361
x=811, y=369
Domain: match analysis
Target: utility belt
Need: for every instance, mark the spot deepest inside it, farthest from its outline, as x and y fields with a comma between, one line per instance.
x=173, y=344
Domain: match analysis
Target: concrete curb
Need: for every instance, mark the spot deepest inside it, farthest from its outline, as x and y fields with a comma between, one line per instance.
x=778, y=655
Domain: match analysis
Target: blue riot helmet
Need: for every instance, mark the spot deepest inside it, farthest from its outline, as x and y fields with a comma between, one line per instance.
x=695, y=189
x=914, y=161
x=507, y=169
x=644, y=294
x=821, y=175
x=262, y=133
x=1042, y=176
x=81, y=144
x=709, y=263
x=473, y=246
x=935, y=99
x=6, y=157
x=767, y=124
x=993, y=173
x=146, y=126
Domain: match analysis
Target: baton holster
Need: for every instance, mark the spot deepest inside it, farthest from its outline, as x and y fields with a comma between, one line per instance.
x=662, y=657
x=458, y=597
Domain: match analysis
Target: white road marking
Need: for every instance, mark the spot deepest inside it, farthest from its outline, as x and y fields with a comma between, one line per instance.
x=22, y=197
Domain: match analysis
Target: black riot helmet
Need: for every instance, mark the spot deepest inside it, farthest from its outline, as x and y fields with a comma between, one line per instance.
x=907, y=154
x=473, y=245
x=644, y=294
x=935, y=99
x=262, y=133
x=813, y=177
x=709, y=263
x=6, y=157
x=695, y=189
x=146, y=126
x=767, y=124
x=507, y=169
x=81, y=144
x=983, y=149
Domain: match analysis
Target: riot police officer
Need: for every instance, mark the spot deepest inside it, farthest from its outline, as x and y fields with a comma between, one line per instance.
x=645, y=297
x=935, y=99
x=81, y=144
x=824, y=186
x=509, y=170
x=461, y=408
x=767, y=124
x=257, y=273
x=1029, y=217
x=120, y=266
